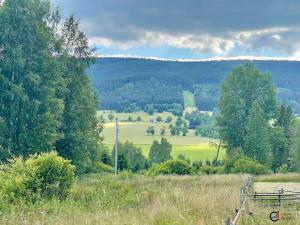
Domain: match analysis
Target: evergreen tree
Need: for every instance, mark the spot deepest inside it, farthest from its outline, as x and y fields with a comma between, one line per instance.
x=31, y=81
x=256, y=140
x=243, y=86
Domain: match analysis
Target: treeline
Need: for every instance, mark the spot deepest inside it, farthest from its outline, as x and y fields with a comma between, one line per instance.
x=46, y=100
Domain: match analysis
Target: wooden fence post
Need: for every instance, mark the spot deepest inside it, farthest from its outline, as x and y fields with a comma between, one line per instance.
x=227, y=222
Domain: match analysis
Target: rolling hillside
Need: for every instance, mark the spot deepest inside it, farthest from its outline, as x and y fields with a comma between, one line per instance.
x=127, y=84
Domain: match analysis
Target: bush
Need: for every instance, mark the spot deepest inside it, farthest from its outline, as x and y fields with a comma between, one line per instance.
x=247, y=165
x=211, y=170
x=283, y=169
x=178, y=167
x=41, y=176
x=100, y=167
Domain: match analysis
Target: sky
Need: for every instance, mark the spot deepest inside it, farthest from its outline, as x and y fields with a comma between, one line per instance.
x=189, y=29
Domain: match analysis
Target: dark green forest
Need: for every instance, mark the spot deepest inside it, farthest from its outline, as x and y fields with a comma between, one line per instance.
x=127, y=84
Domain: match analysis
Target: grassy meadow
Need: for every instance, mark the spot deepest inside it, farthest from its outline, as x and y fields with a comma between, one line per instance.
x=193, y=147
x=142, y=200
x=136, y=200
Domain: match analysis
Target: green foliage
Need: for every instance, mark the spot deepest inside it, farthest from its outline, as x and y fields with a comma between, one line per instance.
x=243, y=165
x=296, y=147
x=158, y=119
x=140, y=81
x=243, y=86
x=283, y=169
x=31, y=81
x=150, y=109
x=209, y=131
x=110, y=117
x=100, y=167
x=163, y=131
x=48, y=102
x=256, y=139
x=130, y=157
x=198, y=118
x=184, y=129
x=150, y=130
x=173, y=130
x=105, y=156
x=160, y=152
x=41, y=176
x=183, y=158
x=280, y=147
x=139, y=119
x=178, y=167
x=80, y=139
x=208, y=170
x=285, y=119
x=169, y=119
x=179, y=121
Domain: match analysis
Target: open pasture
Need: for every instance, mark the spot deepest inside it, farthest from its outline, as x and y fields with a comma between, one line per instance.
x=193, y=147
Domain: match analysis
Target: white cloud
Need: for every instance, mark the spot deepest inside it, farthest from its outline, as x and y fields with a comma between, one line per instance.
x=217, y=58
x=276, y=37
x=248, y=41
x=199, y=43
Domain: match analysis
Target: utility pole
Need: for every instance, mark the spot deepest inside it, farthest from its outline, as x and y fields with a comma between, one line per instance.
x=116, y=146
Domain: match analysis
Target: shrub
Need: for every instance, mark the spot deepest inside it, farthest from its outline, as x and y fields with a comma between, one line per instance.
x=247, y=165
x=283, y=169
x=178, y=167
x=100, y=167
x=41, y=176
x=211, y=170
x=238, y=163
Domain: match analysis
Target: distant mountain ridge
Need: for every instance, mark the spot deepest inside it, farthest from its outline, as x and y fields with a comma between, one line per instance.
x=125, y=84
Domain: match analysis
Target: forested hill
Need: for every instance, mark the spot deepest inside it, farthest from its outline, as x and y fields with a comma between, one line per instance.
x=129, y=83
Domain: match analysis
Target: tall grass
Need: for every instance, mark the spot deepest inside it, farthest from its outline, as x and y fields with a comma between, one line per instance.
x=136, y=200
x=140, y=200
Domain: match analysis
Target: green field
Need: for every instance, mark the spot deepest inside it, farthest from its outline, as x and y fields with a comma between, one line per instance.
x=189, y=101
x=193, y=147
x=193, y=152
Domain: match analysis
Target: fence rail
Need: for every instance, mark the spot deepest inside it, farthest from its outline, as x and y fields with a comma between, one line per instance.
x=279, y=198
x=244, y=193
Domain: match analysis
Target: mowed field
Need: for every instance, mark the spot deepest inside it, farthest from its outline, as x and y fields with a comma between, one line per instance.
x=193, y=147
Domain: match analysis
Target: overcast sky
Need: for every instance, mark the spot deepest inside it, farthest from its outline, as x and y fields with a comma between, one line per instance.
x=189, y=29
